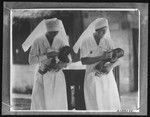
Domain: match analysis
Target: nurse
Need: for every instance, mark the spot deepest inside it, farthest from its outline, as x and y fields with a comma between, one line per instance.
x=100, y=91
x=49, y=89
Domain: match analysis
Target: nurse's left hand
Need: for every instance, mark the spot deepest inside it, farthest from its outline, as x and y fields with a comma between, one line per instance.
x=60, y=65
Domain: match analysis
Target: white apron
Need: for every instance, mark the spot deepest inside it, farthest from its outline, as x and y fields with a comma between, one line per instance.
x=101, y=92
x=49, y=90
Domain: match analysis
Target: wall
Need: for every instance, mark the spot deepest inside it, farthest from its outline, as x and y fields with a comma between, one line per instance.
x=121, y=39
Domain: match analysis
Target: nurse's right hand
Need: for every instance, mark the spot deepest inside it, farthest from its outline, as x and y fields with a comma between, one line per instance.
x=52, y=54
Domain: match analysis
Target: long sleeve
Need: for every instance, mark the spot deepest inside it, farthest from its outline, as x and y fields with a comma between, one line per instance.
x=34, y=55
x=84, y=50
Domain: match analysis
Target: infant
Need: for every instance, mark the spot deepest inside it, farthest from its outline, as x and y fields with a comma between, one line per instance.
x=101, y=66
x=51, y=64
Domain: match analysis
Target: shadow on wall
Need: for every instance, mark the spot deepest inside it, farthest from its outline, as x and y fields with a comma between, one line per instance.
x=22, y=90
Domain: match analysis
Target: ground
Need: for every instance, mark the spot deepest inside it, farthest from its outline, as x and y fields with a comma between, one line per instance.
x=21, y=104
x=128, y=101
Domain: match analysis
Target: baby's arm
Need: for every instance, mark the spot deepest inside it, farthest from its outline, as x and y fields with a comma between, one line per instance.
x=109, y=66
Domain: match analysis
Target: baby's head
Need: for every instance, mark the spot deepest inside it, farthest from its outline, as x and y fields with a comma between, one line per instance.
x=116, y=54
x=65, y=50
x=63, y=54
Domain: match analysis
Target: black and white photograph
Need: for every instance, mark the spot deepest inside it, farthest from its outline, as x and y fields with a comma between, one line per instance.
x=80, y=60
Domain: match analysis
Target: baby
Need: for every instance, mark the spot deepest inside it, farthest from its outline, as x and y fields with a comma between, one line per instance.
x=51, y=64
x=101, y=66
x=62, y=58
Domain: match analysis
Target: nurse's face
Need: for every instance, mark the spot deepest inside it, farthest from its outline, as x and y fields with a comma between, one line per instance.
x=51, y=34
x=100, y=32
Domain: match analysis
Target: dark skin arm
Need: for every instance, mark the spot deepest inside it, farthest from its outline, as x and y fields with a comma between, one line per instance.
x=52, y=54
x=92, y=60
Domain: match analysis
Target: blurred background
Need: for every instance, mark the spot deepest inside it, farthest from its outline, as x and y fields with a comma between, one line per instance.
x=124, y=29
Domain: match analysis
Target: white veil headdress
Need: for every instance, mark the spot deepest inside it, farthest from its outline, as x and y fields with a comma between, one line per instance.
x=97, y=23
x=62, y=34
x=41, y=29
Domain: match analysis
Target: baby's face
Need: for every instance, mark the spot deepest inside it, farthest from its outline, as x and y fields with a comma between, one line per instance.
x=119, y=53
x=111, y=53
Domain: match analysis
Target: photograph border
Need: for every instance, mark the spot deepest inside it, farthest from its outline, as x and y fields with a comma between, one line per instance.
x=57, y=8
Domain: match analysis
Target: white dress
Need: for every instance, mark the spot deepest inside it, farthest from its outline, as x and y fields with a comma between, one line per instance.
x=101, y=92
x=49, y=90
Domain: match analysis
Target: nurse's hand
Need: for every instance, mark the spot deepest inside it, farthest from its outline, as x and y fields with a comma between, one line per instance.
x=60, y=65
x=52, y=54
